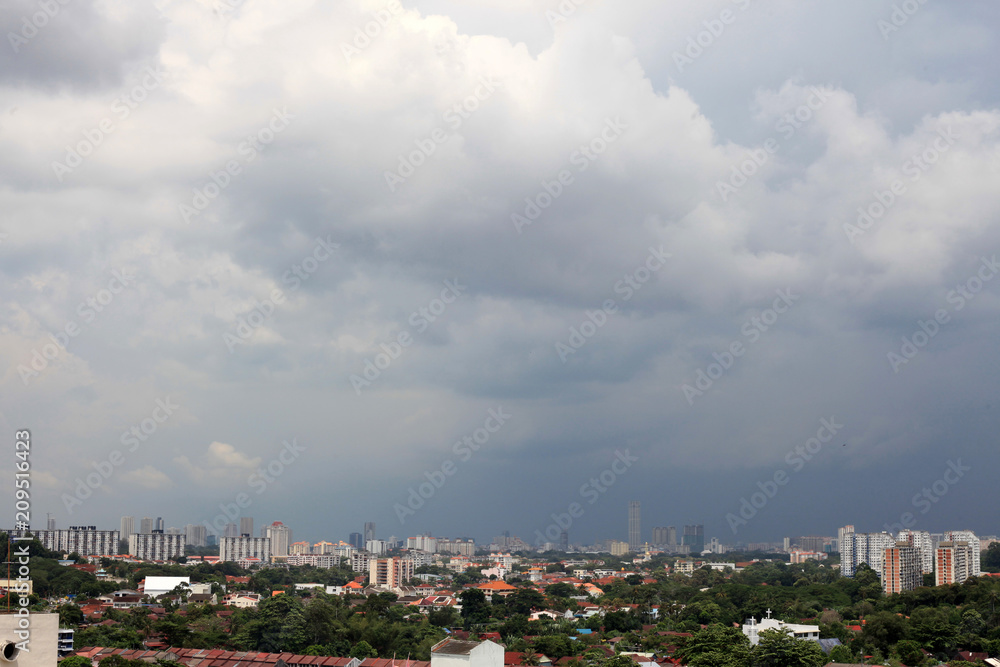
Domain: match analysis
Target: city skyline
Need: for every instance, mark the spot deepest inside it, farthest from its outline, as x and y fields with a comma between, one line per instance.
x=620, y=255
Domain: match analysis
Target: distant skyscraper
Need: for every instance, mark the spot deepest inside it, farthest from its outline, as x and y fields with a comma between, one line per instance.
x=246, y=525
x=231, y=530
x=369, y=531
x=195, y=535
x=50, y=524
x=159, y=523
x=634, y=531
x=280, y=536
x=694, y=537
x=564, y=540
x=128, y=526
x=672, y=535
x=146, y=525
x=355, y=540
x=659, y=537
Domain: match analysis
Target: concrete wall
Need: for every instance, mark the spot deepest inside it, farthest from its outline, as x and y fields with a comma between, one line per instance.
x=42, y=643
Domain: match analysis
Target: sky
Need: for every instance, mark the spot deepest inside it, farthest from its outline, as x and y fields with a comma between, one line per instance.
x=470, y=267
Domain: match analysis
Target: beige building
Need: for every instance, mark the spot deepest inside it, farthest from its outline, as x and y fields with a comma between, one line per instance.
x=390, y=572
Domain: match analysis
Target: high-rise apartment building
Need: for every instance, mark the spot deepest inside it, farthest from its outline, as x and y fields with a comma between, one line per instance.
x=127, y=526
x=970, y=538
x=369, y=531
x=246, y=525
x=82, y=540
x=618, y=548
x=901, y=568
x=159, y=524
x=280, y=536
x=155, y=546
x=196, y=536
x=244, y=546
x=355, y=540
x=146, y=525
x=390, y=572
x=659, y=536
x=672, y=536
x=231, y=530
x=857, y=548
x=50, y=523
x=634, y=529
x=694, y=537
x=920, y=539
x=953, y=563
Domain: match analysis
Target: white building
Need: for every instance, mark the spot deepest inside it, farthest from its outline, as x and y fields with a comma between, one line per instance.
x=280, y=536
x=239, y=548
x=127, y=526
x=316, y=560
x=423, y=543
x=155, y=546
x=456, y=653
x=752, y=629
x=360, y=560
x=858, y=548
x=84, y=540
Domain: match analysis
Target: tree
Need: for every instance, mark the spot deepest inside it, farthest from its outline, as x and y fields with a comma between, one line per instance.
x=475, y=609
x=909, y=652
x=75, y=661
x=715, y=646
x=778, y=648
x=362, y=650
x=844, y=655
x=991, y=558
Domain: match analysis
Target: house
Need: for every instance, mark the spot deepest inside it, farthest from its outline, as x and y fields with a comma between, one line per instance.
x=457, y=653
